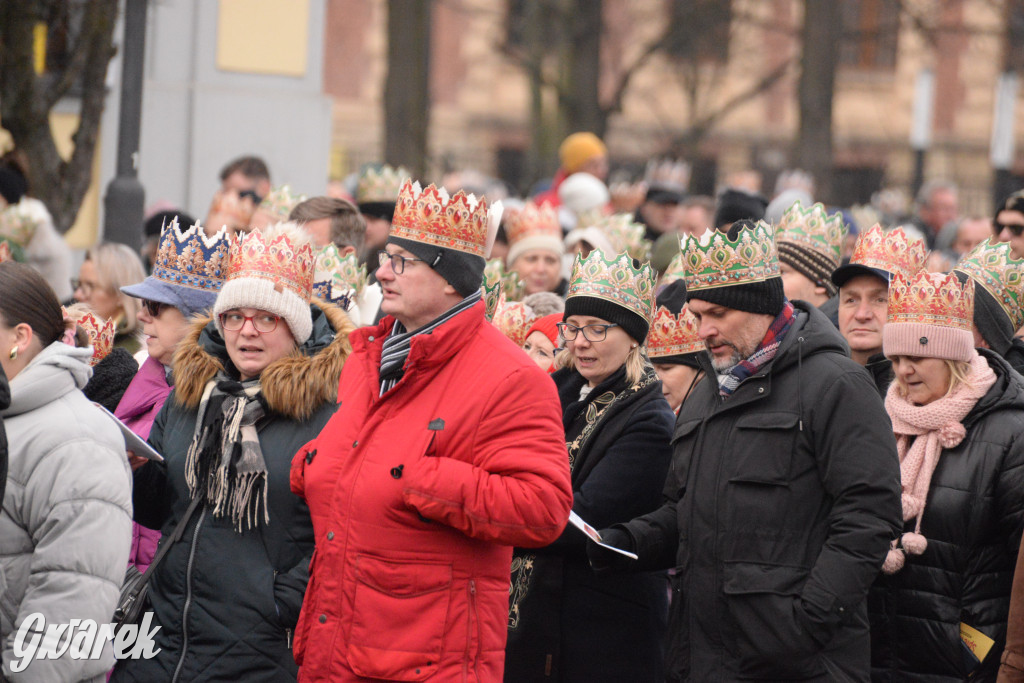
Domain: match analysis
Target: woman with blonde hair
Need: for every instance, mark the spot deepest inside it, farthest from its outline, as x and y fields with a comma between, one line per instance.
x=107, y=268
x=565, y=621
x=939, y=609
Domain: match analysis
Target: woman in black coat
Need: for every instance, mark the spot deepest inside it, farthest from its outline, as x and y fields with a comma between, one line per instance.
x=566, y=623
x=939, y=610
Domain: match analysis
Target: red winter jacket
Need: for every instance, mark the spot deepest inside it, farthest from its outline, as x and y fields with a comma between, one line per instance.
x=417, y=499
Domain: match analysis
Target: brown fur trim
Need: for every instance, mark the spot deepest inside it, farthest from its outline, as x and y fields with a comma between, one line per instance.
x=293, y=386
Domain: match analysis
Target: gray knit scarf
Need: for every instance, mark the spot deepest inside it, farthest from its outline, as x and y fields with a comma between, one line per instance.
x=224, y=462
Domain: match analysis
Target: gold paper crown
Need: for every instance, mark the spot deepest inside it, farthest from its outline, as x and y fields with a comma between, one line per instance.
x=617, y=281
x=100, y=332
x=273, y=257
x=892, y=252
x=667, y=174
x=338, y=279
x=532, y=220
x=191, y=258
x=432, y=217
x=673, y=336
x=279, y=203
x=1002, y=276
x=716, y=261
x=511, y=284
x=626, y=235
x=814, y=229
x=380, y=184
x=933, y=299
x=513, y=318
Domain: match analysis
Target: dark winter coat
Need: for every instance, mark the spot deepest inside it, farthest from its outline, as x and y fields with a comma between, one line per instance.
x=972, y=520
x=110, y=378
x=781, y=503
x=566, y=623
x=881, y=372
x=226, y=601
x=1015, y=355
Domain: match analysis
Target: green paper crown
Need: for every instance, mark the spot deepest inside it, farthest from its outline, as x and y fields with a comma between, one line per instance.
x=491, y=289
x=280, y=202
x=1002, y=276
x=716, y=261
x=814, y=229
x=675, y=270
x=338, y=279
x=380, y=184
x=617, y=281
x=511, y=284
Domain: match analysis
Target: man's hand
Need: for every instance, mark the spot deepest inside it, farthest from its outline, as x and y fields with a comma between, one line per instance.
x=604, y=561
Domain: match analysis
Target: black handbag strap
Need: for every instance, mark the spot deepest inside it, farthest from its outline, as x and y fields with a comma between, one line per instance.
x=174, y=538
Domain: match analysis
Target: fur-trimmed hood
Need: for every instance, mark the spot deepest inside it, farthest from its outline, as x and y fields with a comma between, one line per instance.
x=293, y=386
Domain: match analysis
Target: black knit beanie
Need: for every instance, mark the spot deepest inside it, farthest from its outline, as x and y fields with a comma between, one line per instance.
x=13, y=185
x=813, y=265
x=464, y=272
x=384, y=210
x=635, y=325
x=737, y=205
x=990, y=318
x=764, y=297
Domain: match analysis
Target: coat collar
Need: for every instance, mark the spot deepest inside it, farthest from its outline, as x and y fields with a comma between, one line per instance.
x=425, y=350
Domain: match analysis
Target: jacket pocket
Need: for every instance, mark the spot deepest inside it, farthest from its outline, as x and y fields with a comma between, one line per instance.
x=766, y=624
x=399, y=618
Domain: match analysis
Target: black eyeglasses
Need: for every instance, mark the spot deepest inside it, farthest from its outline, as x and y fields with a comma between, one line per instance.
x=154, y=308
x=251, y=194
x=233, y=321
x=1015, y=230
x=592, y=333
x=397, y=261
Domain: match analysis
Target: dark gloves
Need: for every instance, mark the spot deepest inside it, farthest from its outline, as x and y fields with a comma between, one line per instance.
x=604, y=561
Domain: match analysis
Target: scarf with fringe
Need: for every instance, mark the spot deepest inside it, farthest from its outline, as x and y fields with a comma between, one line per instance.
x=932, y=427
x=224, y=462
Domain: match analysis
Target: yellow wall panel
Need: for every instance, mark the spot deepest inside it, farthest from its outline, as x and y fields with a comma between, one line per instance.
x=263, y=36
x=83, y=234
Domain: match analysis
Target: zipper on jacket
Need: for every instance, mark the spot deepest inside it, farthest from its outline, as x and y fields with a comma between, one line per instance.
x=188, y=597
x=473, y=622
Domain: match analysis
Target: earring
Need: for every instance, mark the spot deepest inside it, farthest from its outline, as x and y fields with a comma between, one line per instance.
x=634, y=346
x=14, y=352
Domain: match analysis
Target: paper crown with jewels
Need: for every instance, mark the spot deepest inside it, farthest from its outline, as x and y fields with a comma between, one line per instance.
x=512, y=286
x=99, y=331
x=617, y=280
x=338, y=279
x=812, y=228
x=278, y=204
x=931, y=315
x=513, y=318
x=490, y=290
x=380, y=184
x=992, y=267
x=275, y=259
x=672, y=335
x=430, y=216
x=714, y=260
x=675, y=271
x=626, y=235
x=667, y=174
x=531, y=220
x=191, y=258
x=892, y=252
x=5, y=251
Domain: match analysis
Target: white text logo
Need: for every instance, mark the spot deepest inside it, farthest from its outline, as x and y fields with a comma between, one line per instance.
x=81, y=639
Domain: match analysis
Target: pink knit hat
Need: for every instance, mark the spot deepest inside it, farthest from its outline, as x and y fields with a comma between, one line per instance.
x=930, y=316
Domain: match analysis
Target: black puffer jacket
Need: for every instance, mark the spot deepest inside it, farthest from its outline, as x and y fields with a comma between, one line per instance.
x=1015, y=355
x=567, y=623
x=226, y=602
x=972, y=520
x=781, y=503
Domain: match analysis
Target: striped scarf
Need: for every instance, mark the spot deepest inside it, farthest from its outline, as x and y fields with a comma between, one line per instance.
x=396, y=347
x=765, y=352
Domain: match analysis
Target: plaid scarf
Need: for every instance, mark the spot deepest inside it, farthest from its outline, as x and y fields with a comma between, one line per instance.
x=765, y=352
x=225, y=462
x=396, y=347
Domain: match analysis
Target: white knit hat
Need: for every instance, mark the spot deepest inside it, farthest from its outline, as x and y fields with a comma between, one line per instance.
x=271, y=270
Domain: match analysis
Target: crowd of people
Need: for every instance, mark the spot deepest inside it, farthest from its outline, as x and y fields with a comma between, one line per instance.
x=606, y=432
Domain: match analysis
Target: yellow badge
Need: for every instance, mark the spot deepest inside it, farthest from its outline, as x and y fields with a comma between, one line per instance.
x=977, y=642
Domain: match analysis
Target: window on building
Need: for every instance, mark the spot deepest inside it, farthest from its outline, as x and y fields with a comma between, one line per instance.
x=870, y=31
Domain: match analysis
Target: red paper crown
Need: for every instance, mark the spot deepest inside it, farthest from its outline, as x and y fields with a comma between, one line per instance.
x=513, y=318
x=276, y=260
x=100, y=332
x=5, y=252
x=432, y=217
x=891, y=251
x=933, y=299
x=532, y=220
x=673, y=336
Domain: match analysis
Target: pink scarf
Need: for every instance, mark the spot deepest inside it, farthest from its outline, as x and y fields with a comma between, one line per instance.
x=937, y=426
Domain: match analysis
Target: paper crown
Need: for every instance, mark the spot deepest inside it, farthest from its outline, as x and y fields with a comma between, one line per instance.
x=380, y=184
x=675, y=271
x=532, y=220
x=512, y=285
x=892, y=252
x=813, y=229
x=19, y=222
x=716, y=261
x=100, y=332
x=338, y=279
x=933, y=299
x=667, y=174
x=991, y=266
x=275, y=259
x=461, y=223
x=617, y=281
x=191, y=258
x=673, y=336
x=491, y=290
x=5, y=251
x=279, y=203
x=626, y=235
x=513, y=318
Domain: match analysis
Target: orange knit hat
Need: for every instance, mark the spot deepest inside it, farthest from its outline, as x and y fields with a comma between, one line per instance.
x=578, y=149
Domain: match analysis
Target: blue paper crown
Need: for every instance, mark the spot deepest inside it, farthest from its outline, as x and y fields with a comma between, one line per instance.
x=191, y=259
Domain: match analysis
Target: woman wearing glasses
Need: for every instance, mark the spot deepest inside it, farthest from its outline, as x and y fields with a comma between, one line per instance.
x=253, y=384
x=107, y=268
x=566, y=622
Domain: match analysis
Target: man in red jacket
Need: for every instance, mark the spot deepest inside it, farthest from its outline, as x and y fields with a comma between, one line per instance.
x=447, y=450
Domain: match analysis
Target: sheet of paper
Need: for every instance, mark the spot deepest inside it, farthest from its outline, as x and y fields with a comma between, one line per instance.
x=590, y=531
x=132, y=442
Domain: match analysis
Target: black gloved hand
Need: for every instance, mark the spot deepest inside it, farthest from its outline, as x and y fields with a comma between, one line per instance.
x=603, y=560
